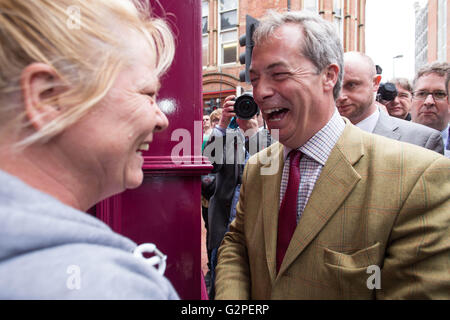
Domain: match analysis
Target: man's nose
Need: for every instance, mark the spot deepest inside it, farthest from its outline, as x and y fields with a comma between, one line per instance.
x=340, y=100
x=394, y=102
x=429, y=100
x=262, y=91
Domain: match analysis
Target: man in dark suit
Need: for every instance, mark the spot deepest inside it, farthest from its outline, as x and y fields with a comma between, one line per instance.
x=228, y=150
x=357, y=103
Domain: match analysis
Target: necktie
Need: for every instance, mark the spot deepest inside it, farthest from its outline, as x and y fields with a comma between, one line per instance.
x=287, y=217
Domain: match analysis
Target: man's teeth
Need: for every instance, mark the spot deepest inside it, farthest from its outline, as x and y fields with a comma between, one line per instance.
x=144, y=147
x=272, y=110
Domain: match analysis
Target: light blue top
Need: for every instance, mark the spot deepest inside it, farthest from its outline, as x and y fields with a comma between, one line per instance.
x=49, y=250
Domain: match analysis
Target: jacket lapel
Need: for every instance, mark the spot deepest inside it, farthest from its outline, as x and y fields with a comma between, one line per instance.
x=271, y=198
x=385, y=127
x=336, y=181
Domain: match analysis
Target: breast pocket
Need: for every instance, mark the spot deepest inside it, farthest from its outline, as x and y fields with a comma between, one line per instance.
x=350, y=272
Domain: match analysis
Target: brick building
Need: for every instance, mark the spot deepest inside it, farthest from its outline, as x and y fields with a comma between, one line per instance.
x=223, y=22
x=432, y=35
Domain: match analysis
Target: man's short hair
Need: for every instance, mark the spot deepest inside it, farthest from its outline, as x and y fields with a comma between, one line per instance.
x=404, y=83
x=322, y=45
x=440, y=68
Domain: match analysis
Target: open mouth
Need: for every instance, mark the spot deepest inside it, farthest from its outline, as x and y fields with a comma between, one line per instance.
x=143, y=147
x=275, y=114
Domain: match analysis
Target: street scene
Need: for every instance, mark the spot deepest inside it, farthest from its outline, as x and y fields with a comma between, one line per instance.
x=213, y=152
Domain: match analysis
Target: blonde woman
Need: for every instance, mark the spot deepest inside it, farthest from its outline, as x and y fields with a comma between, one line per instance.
x=78, y=81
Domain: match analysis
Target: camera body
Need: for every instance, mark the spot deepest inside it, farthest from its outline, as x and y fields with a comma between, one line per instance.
x=245, y=106
x=386, y=92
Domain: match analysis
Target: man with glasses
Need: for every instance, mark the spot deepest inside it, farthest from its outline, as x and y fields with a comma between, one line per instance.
x=357, y=103
x=430, y=104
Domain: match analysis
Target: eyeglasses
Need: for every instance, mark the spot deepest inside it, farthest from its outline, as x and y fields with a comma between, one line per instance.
x=422, y=95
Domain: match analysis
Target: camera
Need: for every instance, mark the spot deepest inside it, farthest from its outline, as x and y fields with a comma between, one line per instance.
x=245, y=106
x=386, y=92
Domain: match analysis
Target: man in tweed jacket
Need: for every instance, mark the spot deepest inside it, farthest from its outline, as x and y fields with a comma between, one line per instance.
x=372, y=213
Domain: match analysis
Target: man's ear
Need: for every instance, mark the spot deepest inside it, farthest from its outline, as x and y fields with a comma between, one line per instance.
x=330, y=77
x=376, y=82
x=39, y=82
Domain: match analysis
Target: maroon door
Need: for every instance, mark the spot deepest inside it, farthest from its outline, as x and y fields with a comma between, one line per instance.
x=166, y=209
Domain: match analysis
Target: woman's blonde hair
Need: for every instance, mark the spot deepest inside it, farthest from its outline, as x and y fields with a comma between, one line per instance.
x=215, y=115
x=81, y=41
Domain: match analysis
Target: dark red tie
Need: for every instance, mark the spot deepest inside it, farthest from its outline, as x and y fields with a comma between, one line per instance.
x=287, y=218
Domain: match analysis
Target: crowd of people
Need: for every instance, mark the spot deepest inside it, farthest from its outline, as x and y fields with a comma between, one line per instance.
x=322, y=185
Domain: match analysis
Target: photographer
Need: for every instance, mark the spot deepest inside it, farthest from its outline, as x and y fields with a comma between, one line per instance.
x=396, y=95
x=231, y=143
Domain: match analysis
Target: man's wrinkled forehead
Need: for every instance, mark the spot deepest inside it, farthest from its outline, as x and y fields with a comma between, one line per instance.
x=429, y=79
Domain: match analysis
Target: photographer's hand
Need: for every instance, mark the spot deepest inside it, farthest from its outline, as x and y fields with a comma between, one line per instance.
x=228, y=112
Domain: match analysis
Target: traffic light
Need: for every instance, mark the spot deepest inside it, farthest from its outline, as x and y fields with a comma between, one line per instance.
x=246, y=40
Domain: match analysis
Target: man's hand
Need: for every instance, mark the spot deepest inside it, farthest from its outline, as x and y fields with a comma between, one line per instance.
x=228, y=112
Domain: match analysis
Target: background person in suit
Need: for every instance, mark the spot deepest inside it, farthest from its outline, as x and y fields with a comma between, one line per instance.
x=357, y=103
x=340, y=201
x=447, y=87
x=237, y=145
x=430, y=105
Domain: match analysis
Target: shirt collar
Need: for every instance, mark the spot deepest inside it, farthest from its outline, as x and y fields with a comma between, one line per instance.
x=369, y=123
x=320, y=145
x=445, y=132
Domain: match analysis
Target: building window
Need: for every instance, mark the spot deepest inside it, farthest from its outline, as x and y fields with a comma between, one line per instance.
x=312, y=5
x=421, y=35
x=228, y=18
x=337, y=18
x=442, y=31
x=205, y=37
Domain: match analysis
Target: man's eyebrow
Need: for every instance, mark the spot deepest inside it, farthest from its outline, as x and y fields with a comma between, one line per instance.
x=271, y=66
x=149, y=84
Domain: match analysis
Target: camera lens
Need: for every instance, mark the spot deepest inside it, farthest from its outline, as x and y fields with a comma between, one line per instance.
x=245, y=106
x=387, y=91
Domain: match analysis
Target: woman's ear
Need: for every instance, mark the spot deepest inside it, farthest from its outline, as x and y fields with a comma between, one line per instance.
x=330, y=76
x=39, y=82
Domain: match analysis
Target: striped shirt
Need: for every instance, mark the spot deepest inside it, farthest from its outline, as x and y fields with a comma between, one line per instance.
x=315, y=154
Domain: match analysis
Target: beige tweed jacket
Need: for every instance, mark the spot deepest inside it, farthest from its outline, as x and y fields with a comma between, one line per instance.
x=376, y=227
